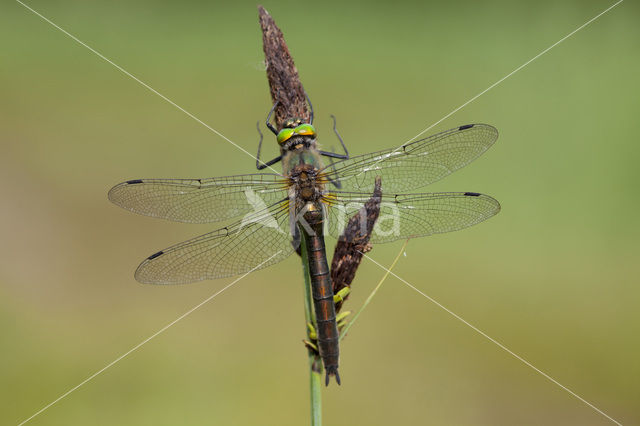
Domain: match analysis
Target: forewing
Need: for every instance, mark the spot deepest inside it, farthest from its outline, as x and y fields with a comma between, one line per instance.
x=416, y=164
x=259, y=240
x=199, y=200
x=413, y=215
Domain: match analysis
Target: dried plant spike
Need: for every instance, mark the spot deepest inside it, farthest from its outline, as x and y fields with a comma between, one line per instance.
x=284, y=82
x=353, y=243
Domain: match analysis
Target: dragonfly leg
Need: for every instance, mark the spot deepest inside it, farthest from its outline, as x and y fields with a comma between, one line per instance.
x=334, y=182
x=268, y=121
x=331, y=154
x=344, y=156
x=310, y=107
x=259, y=164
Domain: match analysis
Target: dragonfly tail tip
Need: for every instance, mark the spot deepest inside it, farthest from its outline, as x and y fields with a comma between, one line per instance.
x=332, y=371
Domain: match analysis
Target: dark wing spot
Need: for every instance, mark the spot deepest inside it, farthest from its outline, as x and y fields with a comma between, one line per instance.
x=154, y=255
x=132, y=182
x=466, y=126
x=472, y=194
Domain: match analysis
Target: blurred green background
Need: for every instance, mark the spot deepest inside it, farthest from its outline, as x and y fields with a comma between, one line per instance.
x=553, y=276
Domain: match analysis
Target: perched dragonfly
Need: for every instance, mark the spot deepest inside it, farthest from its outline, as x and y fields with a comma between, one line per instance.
x=281, y=211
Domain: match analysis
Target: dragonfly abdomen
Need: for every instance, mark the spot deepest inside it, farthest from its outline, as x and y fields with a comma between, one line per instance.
x=322, y=292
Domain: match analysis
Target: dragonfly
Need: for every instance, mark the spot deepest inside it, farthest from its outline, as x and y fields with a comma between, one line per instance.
x=274, y=215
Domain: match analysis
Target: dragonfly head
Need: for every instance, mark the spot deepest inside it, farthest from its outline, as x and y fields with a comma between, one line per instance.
x=295, y=127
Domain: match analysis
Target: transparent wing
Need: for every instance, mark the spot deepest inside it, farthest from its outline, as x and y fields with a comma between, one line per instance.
x=413, y=215
x=200, y=200
x=259, y=240
x=415, y=164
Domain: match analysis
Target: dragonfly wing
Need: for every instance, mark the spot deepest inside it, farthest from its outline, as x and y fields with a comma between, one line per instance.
x=259, y=240
x=200, y=200
x=415, y=164
x=413, y=215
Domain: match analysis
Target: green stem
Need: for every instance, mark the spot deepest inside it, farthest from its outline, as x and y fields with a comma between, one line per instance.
x=315, y=363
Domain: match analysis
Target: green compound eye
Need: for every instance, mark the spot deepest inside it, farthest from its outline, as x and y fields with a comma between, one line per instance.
x=285, y=134
x=306, y=130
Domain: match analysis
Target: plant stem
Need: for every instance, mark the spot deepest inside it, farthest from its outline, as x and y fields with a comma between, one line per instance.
x=315, y=363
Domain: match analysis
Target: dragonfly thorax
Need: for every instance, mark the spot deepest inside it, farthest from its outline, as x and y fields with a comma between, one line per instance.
x=300, y=150
x=304, y=183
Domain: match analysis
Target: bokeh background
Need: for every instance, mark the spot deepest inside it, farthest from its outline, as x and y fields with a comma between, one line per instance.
x=553, y=276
